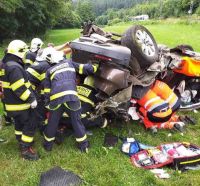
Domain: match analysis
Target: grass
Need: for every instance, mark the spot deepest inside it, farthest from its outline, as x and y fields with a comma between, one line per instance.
x=100, y=167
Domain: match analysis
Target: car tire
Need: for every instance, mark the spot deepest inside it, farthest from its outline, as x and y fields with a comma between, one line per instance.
x=142, y=45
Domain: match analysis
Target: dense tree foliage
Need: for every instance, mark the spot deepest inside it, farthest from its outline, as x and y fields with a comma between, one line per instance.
x=155, y=9
x=22, y=18
x=85, y=10
x=103, y=5
x=26, y=18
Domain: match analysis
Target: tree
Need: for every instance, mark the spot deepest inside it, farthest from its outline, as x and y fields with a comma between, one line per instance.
x=25, y=18
x=69, y=18
x=85, y=10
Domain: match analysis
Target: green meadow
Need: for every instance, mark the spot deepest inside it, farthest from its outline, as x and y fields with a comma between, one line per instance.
x=102, y=167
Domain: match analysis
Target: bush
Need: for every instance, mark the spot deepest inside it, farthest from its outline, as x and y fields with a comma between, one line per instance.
x=198, y=11
x=114, y=21
x=102, y=20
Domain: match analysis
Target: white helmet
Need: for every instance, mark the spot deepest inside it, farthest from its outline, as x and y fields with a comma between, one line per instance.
x=57, y=56
x=46, y=54
x=17, y=48
x=50, y=55
x=36, y=44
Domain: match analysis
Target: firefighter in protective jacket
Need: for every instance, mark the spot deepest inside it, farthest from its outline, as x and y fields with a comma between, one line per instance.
x=61, y=96
x=87, y=95
x=18, y=97
x=36, y=74
x=36, y=44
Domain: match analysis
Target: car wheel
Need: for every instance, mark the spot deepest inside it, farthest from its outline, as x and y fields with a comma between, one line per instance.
x=142, y=45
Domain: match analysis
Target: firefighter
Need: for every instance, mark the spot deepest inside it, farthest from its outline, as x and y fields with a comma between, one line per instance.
x=19, y=99
x=87, y=96
x=7, y=119
x=157, y=107
x=36, y=45
x=61, y=96
x=36, y=75
x=1, y=95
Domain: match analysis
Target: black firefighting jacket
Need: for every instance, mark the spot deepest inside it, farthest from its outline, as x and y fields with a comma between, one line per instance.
x=17, y=91
x=30, y=58
x=87, y=96
x=60, y=82
x=36, y=73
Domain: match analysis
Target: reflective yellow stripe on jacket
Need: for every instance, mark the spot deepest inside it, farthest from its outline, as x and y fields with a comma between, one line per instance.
x=2, y=72
x=28, y=84
x=62, y=70
x=28, y=61
x=18, y=107
x=17, y=84
x=84, y=99
x=36, y=74
x=81, y=66
x=64, y=93
x=47, y=90
x=25, y=95
x=7, y=84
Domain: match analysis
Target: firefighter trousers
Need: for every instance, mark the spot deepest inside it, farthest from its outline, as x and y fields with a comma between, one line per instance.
x=25, y=125
x=74, y=111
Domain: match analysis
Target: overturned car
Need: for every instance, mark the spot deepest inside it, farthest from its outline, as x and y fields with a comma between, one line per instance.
x=128, y=65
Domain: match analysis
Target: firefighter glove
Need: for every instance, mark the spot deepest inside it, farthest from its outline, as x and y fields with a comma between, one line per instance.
x=34, y=104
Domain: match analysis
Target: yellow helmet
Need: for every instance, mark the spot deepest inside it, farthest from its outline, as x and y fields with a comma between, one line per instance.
x=89, y=80
x=17, y=48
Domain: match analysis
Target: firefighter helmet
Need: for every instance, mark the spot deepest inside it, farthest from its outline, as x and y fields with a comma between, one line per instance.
x=89, y=80
x=17, y=48
x=36, y=44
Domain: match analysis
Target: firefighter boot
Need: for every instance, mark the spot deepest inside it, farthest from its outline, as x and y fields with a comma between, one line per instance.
x=48, y=145
x=84, y=146
x=27, y=152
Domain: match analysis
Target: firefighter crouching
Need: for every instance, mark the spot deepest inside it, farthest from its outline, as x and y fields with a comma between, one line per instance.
x=87, y=95
x=158, y=106
x=19, y=99
x=61, y=96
